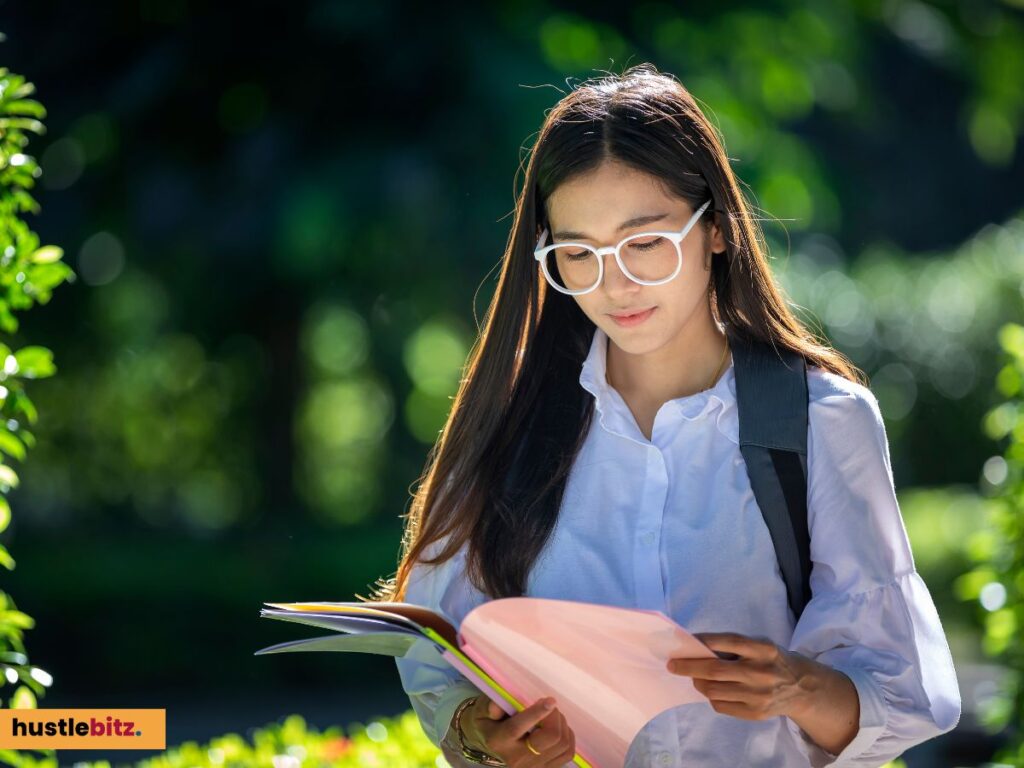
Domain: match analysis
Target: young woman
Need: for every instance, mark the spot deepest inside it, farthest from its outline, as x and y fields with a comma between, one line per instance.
x=605, y=378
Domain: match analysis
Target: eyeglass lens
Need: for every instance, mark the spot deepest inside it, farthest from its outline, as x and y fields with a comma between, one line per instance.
x=645, y=257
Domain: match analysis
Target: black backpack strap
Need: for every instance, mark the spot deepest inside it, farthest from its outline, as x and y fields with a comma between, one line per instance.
x=771, y=397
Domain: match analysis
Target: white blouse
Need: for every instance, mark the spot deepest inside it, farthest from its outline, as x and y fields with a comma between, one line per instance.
x=671, y=524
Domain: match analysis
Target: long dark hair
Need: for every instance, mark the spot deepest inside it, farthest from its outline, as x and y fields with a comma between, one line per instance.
x=520, y=404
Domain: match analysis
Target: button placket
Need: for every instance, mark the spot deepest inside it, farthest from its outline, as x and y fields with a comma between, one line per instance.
x=650, y=585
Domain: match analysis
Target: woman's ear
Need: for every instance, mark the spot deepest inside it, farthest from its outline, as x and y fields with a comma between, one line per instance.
x=716, y=237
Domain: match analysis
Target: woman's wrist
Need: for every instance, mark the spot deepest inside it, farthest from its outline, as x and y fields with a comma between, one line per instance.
x=829, y=710
x=464, y=732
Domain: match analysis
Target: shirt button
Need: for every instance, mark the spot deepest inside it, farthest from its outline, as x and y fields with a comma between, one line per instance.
x=647, y=539
x=665, y=758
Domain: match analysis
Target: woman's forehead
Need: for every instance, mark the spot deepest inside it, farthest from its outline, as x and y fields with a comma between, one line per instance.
x=599, y=204
x=610, y=175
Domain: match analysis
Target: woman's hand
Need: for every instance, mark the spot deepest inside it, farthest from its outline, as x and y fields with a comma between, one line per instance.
x=763, y=681
x=487, y=727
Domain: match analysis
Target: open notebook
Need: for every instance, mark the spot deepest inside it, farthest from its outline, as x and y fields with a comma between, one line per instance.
x=604, y=665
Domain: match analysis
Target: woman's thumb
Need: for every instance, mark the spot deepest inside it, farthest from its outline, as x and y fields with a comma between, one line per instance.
x=494, y=711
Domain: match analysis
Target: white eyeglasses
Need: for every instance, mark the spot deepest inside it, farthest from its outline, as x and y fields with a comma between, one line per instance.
x=647, y=258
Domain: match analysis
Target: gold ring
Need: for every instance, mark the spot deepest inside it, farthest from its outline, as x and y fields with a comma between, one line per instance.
x=529, y=746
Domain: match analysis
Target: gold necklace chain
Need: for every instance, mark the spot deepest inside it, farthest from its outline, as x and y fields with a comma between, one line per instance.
x=719, y=369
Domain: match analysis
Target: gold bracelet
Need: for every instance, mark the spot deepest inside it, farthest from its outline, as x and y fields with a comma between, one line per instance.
x=473, y=755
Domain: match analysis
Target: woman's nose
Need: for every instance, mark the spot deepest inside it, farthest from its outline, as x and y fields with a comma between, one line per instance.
x=615, y=280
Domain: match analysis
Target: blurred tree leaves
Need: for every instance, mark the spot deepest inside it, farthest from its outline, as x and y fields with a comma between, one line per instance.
x=228, y=241
x=343, y=418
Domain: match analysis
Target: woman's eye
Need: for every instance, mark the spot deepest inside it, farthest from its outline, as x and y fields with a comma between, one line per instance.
x=646, y=245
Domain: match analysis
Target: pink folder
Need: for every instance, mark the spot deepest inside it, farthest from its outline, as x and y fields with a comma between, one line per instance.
x=605, y=666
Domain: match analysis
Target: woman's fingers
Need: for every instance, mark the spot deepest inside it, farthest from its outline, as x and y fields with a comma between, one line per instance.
x=563, y=757
x=547, y=729
x=554, y=740
x=548, y=733
x=568, y=752
x=520, y=723
x=504, y=738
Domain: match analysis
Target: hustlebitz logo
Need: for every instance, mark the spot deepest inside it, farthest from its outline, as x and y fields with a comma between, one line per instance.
x=71, y=727
x=96, y=728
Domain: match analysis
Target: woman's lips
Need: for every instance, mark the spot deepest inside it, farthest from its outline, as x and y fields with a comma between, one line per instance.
x=628, y=321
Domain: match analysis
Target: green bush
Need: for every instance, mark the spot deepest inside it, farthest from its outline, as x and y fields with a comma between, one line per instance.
x=397, y=742
x=29, y=272
x=996, y=582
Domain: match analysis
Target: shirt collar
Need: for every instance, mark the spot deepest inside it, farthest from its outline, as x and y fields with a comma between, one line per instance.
x=718, y=402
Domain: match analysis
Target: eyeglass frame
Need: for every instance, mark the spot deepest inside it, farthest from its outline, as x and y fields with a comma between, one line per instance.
x=541, y=251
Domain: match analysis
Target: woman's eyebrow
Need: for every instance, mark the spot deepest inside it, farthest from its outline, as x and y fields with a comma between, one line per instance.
x=636, y=221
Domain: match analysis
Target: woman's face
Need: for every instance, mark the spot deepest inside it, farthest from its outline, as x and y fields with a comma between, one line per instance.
x=596, y=204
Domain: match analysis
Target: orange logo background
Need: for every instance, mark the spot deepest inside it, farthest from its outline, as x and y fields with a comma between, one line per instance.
x=138, y=728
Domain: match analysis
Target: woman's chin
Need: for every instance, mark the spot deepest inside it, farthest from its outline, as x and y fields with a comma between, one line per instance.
x=633, y=341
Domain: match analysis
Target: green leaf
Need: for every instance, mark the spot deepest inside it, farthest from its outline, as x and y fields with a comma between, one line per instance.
x=11, y=445
x=8, y=322
x=24, y=123
x=8, y=476
x=1011, y=338
x=1009, y=380
x=27, y=438
x=5, y=513
x=26, y=107
x=1000, y=421
x=6, y=560
x=23, y=698
x=47, y=254
x=17, y=618
x=44, y=277
x=25, y=201
x=35, y=362
x=24, y=406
